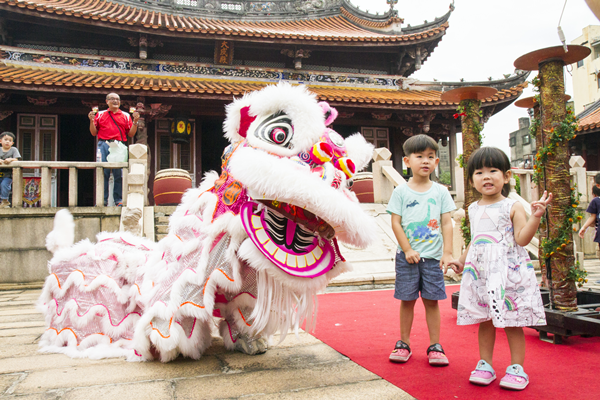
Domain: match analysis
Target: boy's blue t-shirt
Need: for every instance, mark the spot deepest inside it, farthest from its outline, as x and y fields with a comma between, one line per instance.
x=594, y=208
x=422, y=217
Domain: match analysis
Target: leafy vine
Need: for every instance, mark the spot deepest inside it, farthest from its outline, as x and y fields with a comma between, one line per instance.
x=461, y=161
x=564, y=132
x=466, y=109
x=466, y=231
x=578, y=274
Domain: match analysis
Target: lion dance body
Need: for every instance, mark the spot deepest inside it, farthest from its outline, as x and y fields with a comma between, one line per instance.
x=250, y=248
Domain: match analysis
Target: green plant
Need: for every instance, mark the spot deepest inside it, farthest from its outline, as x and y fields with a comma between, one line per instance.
x=466, y=231
x=446, y=178
x=578, y=274
x=466, y=109
x=518, y=185
x=564, y=132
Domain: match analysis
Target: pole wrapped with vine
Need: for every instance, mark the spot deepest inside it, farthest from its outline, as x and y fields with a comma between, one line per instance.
x=535, y=130
x=558, y=126
x=470, y=113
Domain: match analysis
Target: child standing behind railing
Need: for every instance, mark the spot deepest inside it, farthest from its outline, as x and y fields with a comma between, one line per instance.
x=8, y=154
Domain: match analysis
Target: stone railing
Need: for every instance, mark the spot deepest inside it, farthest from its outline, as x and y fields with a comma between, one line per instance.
x=579, y=176
x=47, y=167
x=385, y=176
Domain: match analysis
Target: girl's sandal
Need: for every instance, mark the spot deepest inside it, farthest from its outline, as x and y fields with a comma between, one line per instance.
x=515, y=378
x=483, y=375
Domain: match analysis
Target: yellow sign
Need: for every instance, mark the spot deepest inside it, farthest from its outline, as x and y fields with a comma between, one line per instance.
x=224, y=52
x=189, y=128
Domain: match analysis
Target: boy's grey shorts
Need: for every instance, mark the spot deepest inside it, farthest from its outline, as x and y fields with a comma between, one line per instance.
x=425, y=277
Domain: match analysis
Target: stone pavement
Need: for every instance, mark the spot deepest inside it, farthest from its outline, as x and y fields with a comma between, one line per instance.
x=296, y=369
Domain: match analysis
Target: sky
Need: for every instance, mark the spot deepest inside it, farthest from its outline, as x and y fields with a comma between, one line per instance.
x=484, y=39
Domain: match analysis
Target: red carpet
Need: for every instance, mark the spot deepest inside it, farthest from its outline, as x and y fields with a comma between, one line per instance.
x=364, y=326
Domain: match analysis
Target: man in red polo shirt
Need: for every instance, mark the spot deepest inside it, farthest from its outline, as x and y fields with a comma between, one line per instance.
x=110, y=125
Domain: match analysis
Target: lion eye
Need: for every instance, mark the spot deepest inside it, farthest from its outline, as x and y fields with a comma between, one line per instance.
x=278, y=135
x=276, y=129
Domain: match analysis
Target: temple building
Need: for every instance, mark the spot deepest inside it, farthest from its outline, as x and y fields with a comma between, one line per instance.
x=187, y=59
x=587, y=142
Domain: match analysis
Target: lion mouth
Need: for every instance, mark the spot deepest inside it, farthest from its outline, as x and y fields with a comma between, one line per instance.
x=295, y=240
x=307, y=220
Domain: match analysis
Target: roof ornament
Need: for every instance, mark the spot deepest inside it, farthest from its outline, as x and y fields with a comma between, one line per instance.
x=392, y=3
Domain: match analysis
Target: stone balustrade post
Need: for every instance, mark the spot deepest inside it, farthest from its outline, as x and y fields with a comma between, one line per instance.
x=132, y=216
x=382, y=186
x=458, y=242
x=17, y=188
x=526, y=187
x=459, y=182
x=579, y=176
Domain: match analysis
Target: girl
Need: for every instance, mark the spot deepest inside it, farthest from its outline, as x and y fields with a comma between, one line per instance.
x=499, y=288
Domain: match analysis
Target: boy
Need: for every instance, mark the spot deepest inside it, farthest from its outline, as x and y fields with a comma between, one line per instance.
x=8, y=154
x=422, y=225
x=593, y=209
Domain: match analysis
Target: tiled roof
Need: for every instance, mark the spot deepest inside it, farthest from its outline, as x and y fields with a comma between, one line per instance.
x=589, y=120
x=333, y=28
x=48, y=78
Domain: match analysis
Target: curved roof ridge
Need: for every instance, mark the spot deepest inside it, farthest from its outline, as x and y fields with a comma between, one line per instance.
x=109, y=12
x=437, y=22
x=516, y=79
x=370, y=23
x=367, y=19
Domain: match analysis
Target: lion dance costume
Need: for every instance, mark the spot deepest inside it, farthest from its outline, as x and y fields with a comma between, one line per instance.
x=249, y=249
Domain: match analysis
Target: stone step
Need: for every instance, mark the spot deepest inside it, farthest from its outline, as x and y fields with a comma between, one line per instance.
x=161, y=220
x=160, y=236
x=161, y=229
x=164, y=210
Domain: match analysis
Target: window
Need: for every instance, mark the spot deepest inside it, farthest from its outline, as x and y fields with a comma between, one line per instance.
x=164, y=152
x=36, y=141
x=512, y=142
x=595, y=50
x=580, y=64
x=526, y=139
x=231, y=7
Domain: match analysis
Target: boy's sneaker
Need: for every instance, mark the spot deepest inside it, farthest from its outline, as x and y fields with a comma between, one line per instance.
x=515, y=378
x=483, y=375
x=436, y=355
x=4, y=203
x=401, y=352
